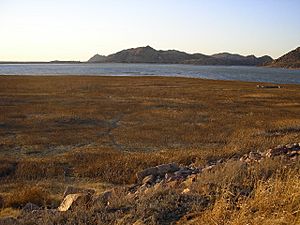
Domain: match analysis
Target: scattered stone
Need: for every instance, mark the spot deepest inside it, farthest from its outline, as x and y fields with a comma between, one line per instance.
x=156, y=171
x=255, y=156
x=279, y=150
x=103, y=198
x=30, y=207
x=168, y=176
x=294, y=146
x=73, y=200
x=289, y=150
x=251, y=157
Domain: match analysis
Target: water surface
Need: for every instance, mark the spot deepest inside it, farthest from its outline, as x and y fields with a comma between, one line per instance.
x=243, y=73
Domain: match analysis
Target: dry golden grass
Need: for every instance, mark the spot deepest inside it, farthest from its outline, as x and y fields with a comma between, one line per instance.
x=90, y=131
x=276, y=201
x=34, y=194
x=51, y=115
x=9, y=212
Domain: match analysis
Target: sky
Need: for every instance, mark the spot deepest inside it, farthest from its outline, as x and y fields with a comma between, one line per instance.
x=43, y=30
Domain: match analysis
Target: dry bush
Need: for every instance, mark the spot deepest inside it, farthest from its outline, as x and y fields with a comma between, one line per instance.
x=234, y=194
x=7, y=167
x=275, y=201
x=9, y=212
x=113, y=166
x=27, y=194
x=117, y=167
x=38, y=169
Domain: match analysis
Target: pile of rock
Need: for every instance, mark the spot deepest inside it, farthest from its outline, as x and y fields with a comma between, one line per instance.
x=167, y=172
x=252, y=157
x=268, y=86
x=291, y=151
x=169, y=175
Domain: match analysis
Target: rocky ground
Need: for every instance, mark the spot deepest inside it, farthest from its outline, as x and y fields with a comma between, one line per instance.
x=149, y=181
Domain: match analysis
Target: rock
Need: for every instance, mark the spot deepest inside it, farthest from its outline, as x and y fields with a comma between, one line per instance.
x=255, y=156
x=208, y=168
x=156, y=171
x=103, y=199
x=185, y=191
x=293, y=153
x=178, y=175
x=147, y=172
x=30, y=207
x=276, y=151
x=167, y=168
x=76, y=190
x=169, y=176
x=184, y=172
x=73, y=200
x=251, y=157
x=294, y=146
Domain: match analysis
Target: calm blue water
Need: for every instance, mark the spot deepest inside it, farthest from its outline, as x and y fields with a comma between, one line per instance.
x=243, y=73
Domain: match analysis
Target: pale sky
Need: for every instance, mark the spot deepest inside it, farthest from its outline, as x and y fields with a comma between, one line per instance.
x=42, y=30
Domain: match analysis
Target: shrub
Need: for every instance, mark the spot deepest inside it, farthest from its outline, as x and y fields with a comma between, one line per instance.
x=22, y=196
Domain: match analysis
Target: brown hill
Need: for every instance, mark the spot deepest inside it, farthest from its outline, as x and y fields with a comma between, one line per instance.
x=97, y=58
x=150, y=55
x=290, y=60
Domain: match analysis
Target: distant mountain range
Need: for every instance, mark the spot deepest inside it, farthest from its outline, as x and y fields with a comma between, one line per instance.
x=150, y=55
x=147, y=54
x=290, y=60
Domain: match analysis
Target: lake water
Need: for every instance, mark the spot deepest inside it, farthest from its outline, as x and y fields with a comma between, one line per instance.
x=243, y=73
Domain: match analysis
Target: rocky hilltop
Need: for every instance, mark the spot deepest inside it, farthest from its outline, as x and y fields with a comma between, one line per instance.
x=97, y=59
x=150, y=55
x=290, y=60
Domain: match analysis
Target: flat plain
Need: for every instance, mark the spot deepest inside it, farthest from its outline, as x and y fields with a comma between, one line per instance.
x=97, y=132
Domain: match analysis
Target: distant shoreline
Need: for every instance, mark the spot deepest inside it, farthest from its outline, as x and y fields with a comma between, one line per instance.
x=240, y=73
x=34, y=62
x=258, y=84
x=101, y=63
